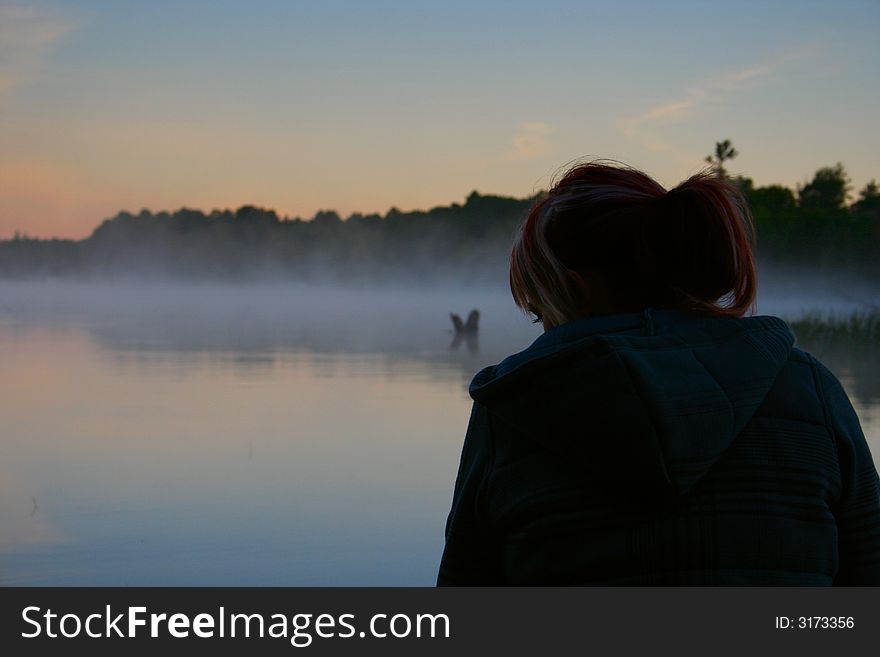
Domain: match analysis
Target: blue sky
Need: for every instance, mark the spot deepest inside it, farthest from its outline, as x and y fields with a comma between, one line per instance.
x=364, y=105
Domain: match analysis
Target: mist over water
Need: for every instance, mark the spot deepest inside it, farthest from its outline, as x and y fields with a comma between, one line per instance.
x=275, y=433
x=792, y=292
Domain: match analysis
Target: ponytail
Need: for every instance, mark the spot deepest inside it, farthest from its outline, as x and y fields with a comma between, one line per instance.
x=703, y=235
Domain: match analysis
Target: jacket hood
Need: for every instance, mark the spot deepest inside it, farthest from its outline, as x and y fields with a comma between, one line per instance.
x=654, y=397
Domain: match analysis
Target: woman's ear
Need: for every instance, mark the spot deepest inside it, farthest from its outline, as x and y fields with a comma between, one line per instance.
x=588, y=300
x=580, y=284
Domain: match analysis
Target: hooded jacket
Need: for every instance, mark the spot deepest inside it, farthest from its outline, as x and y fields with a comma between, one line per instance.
x=663, y=448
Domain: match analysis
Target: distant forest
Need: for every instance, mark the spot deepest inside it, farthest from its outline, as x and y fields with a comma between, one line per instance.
x=815, y=225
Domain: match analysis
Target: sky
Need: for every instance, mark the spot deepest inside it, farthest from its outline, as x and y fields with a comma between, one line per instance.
x=364, y=105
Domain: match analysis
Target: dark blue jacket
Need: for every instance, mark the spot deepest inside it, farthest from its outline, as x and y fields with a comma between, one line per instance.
x=663, y=448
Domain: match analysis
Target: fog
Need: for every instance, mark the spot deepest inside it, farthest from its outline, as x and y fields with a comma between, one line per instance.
x=269, y=317
x=792, y=292
x=397, y=318
x=249, y=322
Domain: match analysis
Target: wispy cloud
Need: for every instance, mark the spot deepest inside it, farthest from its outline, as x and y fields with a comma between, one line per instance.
x=28, y=32
x=532, y=139
x=713, y=90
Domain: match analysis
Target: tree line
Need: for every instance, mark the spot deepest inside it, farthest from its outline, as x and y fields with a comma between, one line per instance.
x=815, y=224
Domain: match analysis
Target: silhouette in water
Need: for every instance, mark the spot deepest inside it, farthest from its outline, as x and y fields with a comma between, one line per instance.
x=466, y=332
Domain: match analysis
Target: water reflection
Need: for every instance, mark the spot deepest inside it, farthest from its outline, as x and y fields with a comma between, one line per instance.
x=157, y=438
x=222, y=447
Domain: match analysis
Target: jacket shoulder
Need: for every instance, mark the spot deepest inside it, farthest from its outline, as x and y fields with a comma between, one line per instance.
x=796, y=393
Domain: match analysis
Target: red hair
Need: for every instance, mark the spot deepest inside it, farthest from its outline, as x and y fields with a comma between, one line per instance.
x=634, y=245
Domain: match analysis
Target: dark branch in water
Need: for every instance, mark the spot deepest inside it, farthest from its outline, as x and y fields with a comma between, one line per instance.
x=471, y=326
x=466, y=332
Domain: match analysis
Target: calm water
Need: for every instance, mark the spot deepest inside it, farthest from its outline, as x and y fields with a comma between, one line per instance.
x=264, y=436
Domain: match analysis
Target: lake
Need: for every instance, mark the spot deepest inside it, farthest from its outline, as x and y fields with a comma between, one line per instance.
x=270, y=434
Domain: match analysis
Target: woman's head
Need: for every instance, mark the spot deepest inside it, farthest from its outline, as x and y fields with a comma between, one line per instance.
x=608, y=238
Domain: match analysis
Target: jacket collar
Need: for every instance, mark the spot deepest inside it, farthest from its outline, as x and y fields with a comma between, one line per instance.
x=563, y=334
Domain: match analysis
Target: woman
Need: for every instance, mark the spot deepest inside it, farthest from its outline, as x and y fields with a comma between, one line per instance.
x=654, y=435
